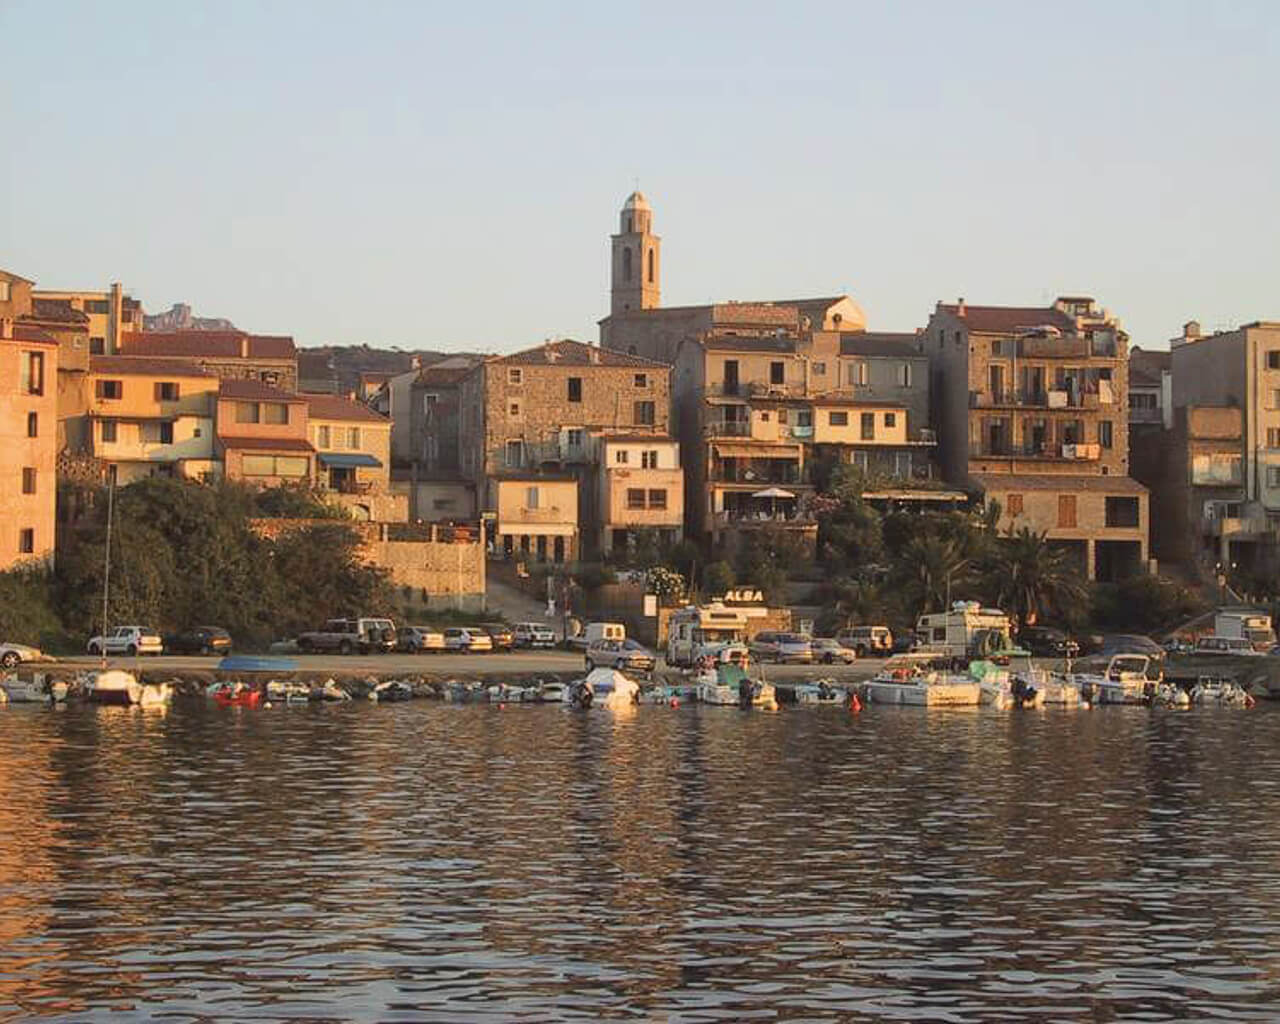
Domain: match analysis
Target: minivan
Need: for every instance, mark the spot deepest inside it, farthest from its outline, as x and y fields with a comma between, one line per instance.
x=867, y=640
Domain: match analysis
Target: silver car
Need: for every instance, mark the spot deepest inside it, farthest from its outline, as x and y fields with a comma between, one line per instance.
x=782, y=647
x=828, y=651
x=624, y=655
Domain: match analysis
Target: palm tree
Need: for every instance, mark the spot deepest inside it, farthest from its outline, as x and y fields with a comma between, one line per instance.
x=927, y=566
x=1031, y=576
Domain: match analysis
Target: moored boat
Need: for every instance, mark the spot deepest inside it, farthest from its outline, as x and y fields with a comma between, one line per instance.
x=235, y=695
x=922, y=680
x=823, y=692
x=1124, y=681
x=39, y=688
x=119, y=688
x=604, y=687
x=1212, y=692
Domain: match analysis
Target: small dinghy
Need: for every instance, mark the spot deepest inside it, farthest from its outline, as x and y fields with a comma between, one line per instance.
x=115, y=687
x=391, y=691
x=823, y=692
x=330, y=692
x=39, y=689
x=1167, y=695
x=1223, y=693
x=728, y=685
x=234, y=695
x=553, y=692
x=287, y=691
x=604, y=687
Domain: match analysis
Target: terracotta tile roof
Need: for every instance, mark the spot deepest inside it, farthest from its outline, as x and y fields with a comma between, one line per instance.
x=1064, y=484
x=57, y=309
x=1009, y=319
x=880, y=343
x=335, y=407
x=147, y=366
x=271, y=444
x=256, y=389
x=574, y=353
x=33, y=335
x=207, y=344
x=442, y=375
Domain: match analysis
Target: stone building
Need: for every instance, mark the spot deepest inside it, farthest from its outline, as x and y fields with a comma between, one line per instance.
x=28, y=439
x=232, y=355
x=1031, y=409
x=1237, y=369
x=109, y=315
x=531, y=415
x=353, y=457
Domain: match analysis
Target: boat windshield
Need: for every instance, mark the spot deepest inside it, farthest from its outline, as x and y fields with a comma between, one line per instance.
x=1128, y=665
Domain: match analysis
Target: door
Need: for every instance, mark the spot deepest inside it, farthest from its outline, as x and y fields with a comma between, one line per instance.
x=995, y=382
x=558, y=549
x=731, y=376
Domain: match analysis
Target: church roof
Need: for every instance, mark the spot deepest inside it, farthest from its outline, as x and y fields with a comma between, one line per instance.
x=568, y=352
x=636, y=201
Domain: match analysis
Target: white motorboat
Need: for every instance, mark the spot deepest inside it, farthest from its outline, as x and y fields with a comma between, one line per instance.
x=391, y=691
x=922, y=679
x=120, y=688
x=728, y=685
x=553, y=692
x=38, y=689
x=823, y=692
x=1125, y=681
x=287, y=691
x=1167, y=695
x=1011, y=679
x=330, y=691
x=1213, y=692
x=604, y=687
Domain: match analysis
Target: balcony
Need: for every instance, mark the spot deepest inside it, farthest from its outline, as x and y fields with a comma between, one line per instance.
x=1229, y=526
x=761, y=472
x=1070, y=452
x=763, y=389
x=1052, y=399
x=1054, y=348
x=1143, y=415
x=728, y=428
x=764, y=518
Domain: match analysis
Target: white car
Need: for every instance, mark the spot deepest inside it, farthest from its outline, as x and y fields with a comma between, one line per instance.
x=829, y=651
x=468, y=641
x=534, y=634
x=12, y=655
x=129, y=640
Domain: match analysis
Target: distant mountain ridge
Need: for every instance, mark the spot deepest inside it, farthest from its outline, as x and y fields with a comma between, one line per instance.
x=340, y=368
x=178, y=318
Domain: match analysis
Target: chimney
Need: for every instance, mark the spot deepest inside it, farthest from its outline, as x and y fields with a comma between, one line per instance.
x=1191, y=330
x=415, y=362
x=960, y=306
x=593, y=355
x=548, y=348
x=244, y=346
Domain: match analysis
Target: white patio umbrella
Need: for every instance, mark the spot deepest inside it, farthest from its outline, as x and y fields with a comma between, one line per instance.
x=773, y=494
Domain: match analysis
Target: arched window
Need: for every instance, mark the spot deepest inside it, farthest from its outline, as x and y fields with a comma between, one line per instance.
x=628, y=224
x=626, y=264
x=651, y=266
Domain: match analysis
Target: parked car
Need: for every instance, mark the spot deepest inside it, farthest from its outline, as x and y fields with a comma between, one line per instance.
x=1226, y=645
x=12, y=655
x=502, y=637
x=1130, y=643
x=129, y=640
x=1046, y=642
x=466, y=640
x=416, y=639
x=776, y=646
x=199, y=640
x=867, y=641
x=534, y=634
x=828, y=651
x=624, y=655
x=346, y=636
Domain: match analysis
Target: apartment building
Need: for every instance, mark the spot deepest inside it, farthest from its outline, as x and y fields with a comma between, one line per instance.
x=529, y=416
x=232, y=355
x=109, y=314
x=353, y=457
x=28, y=442
x=1031, y=409
x=263, y=434
x=1237, y=369
x=150, y=417
x=639, y=486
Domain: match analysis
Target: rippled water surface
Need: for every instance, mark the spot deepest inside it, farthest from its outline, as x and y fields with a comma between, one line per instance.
x=437, y=862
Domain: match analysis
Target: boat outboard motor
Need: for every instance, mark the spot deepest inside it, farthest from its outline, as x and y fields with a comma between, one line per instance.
x=745, y=693
x=582, y=695
x=1024, y=694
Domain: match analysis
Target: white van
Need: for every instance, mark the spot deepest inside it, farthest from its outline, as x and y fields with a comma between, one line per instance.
x=598, y=631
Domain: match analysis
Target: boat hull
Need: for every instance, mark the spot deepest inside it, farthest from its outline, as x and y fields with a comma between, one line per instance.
x=924, y=694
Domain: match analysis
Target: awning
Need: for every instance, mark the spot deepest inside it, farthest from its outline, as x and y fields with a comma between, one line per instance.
x=743, y=449
x=345, y=461
x=773, y=492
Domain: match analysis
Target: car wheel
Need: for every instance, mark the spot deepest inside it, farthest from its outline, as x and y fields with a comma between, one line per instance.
x=829, y=659
x=94, y=649
x=304, y=646
x=206, y=650
x=861, y=651
x=344, y=647
x=619, y=664
x=131, y=650
x=10, y=659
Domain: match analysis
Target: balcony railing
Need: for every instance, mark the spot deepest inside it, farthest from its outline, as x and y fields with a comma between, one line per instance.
x=729, y=428
x=1054, y=398
x=762, y=475
x=1074, y=452
x=764, y=518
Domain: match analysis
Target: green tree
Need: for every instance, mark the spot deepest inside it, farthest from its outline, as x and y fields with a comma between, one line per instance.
x=1030, y=577
x=717, y=579
x=928, y=567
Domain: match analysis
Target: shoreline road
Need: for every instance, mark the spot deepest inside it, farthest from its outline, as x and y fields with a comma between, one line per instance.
x=516, y=663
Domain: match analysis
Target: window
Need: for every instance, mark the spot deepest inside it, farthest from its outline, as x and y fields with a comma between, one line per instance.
x=858, y=374
x=890, y=419
x=626, y=263
x=1273, y=359
x=1142, y=400
x=28, y=480
x=513, y=410
x=764, y=417
x=635, y=497
x=515, y=375
x=515, y=454
x=274, y=465
x=649, y=460
x=4, y=291
x=1273, y=436
x=27, y=541
x=1273, y=476
x=642, y=380
x=109, y=390
x=269, y=377
x=658, y=498
x=644, y=413
x=838, y=419
x=246, y=412
x=904, y=375
x=109, y=431
x=819, y=369
x=1014, y=504
x=995, y=347
x=33, y=424
x=97, y=346
x=861, y=460
x=531, y=497
x=782, y=415
x=353, y=437
x=1275, y=398
x=1122, y=512
x=1067, y=510
x=322, y=437
x=804, y=417
x=99, y=306
x=573, y=437
x=275, y=412
x=651, y=268
x=166, y=432
x=1104, y=433
x=868, y=426
x=620, y=456
x=167, y=391
x=575, y=389
x=777, y=373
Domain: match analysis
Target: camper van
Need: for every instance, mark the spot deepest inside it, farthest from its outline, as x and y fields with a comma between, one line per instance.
x=967, y=630
x=598, y=631
x=697, y=631
x=1245, y=625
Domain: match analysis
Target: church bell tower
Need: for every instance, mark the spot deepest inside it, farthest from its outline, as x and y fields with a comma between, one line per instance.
x=636, y=261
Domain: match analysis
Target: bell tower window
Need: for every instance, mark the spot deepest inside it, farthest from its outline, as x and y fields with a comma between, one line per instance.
x=650, y=269
x=626, y=264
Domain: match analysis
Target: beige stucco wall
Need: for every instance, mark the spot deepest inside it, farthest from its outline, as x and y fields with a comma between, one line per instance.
x=20, y=511
x=557, y=511
x=825, y=432
x=295, y=428
x=372, y=439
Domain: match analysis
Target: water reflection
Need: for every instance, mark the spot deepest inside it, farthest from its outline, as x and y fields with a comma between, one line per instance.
x=465, y=862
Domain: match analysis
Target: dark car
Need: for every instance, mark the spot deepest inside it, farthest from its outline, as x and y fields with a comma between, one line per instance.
x=1131, y=643
x=199, y=640
x=503, y=638
x=1046, y=642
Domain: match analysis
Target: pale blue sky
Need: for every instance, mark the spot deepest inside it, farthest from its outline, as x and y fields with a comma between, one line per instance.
x=444, y=175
